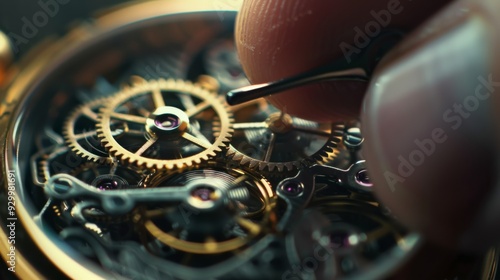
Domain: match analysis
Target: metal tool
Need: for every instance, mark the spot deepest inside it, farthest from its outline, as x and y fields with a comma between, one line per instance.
x=359, y=68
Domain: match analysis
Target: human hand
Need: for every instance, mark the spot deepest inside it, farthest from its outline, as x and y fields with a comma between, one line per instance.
x=445, y=196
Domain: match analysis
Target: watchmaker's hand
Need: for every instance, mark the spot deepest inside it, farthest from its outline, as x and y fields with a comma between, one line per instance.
x=431, y=130
x=280, y=38
x=430, y=147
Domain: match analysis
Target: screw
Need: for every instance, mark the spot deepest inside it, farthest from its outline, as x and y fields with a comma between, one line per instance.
x=352, y=138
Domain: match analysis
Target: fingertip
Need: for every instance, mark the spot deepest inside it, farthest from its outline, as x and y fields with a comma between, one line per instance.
x=323, y=102
x=279, y=39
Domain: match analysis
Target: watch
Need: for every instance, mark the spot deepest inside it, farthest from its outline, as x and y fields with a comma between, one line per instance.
x=122, y=160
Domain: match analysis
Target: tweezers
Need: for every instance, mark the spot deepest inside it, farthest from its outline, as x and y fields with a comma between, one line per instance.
x=359, y=68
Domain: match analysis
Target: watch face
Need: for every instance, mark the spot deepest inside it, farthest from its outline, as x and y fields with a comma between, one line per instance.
x=121, y=159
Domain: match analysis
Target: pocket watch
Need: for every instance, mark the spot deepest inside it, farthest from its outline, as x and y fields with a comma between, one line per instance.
x=122, y=160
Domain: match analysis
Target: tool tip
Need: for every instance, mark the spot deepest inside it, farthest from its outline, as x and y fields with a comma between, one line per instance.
x=247, y=93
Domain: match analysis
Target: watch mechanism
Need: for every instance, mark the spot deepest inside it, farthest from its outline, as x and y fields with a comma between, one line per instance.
x=129, y=164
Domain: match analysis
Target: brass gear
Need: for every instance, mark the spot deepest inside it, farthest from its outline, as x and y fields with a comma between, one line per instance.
x=259, y=127
x=80, y=133
x=190, y=123
x=59, y=160
x=227, y=208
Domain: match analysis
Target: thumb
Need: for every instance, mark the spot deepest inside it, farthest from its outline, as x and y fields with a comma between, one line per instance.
x=279, y=39
x=431, y=130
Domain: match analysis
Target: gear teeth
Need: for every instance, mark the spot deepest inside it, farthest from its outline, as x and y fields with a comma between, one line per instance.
x=330, y=150
x=43, y=170
x=47, y=159
x=222, y=127
x=70, y=136
x=273, y=169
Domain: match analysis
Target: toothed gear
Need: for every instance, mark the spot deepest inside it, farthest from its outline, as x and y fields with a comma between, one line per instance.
x=171, y=124
x=271, y=141
x=227, y=209
x=59, y=160
x=80, y=132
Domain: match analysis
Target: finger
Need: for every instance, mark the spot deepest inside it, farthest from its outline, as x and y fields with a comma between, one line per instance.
x=278, y=39
x=430, y=129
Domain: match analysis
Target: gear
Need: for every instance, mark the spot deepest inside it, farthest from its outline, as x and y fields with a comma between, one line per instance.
x=59, y=160
x=80, y=133
x=269, y=140
x=226, y=208
x=171, y=124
